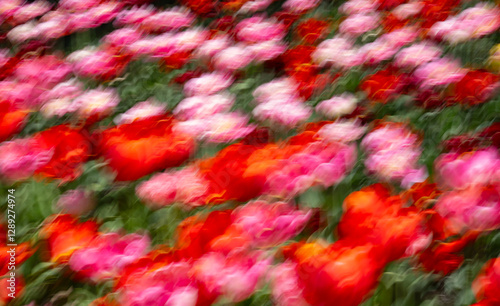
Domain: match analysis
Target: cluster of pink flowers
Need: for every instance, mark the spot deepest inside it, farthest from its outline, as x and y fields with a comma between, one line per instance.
x=107, y=254
x=279, y=103
x=474, y=22
x=393, y=154
x=472, y=181
x=337, y=106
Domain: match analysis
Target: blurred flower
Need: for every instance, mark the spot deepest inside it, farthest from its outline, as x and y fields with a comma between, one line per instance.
x=439, y=72
x=70, y=147
x=285, y=285
x=338, y=105
x=476, y=208
x=384, y=85
x=299, y=6
x=267, y=50
x=233, y=58
x=339, y=52
x=487, y=283
x=235, y=277
x=417, y=54
x=172, y=19
x=476, y=87
x=20, y=158
x=45, y=71
x=96, y=104
x=141, y=147
x=64, y=235
x=77, y=202
x=258, y=29
x=211, y=47
x=253, y=6
x=207, y=84
x=342, y=131
x=107, y=254
x=393, y=154
x=358, y=24
x=100, y=64
x=372, y=215
x=461, y=171
x=312, y=29
x=139, y=111
x=12, y=119
x=121, y=38
x=282, y=114
x=29, y=11
x=134, y=15
x=186, y=186
x=335, y=273
x=351, y=7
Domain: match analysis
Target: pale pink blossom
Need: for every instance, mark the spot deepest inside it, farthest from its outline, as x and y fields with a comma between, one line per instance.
x=171, y=284
x=269, y=224
x=9, y=7
x=211, y=47
x=189, y=40
x=208, y=84
x=100, y=64
x=282, y=114
x=96, y=102
x=54, y=28
x=172, y=19
x=393, y=154
x=474, y=22
x=342, y=131
x=186, y=186
x=235, y=276
x=233, y=58
x=339, y=52
x=23, y=32
x=358, y=24
x=267, y=50
x=122, y=37
x=300, y=6
x=401, y=37
x=439, y=72
x=31, y=10
x=358, y=6
x=197, y=107
x=284, y=89
x=258, y=29
x=134, y=16
x=20, y=93
x=460, y=171
x=78, y=5
x=380, y=50
x=407, y=10
x=337, y=106
x=285, y=285
x=141, y=110
x=20, y=158
x=476, y=208
x=219, y=128
x=417, y=54
x=45, y=71
x=253, y=6
x=77, y=202
x=106, y=256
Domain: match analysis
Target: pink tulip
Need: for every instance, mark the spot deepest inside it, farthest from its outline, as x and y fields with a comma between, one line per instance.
x=269, y=224
x=140, y=111
x=461, y=171
x=107, y=255
x=258, y=29
x=285, y=285
x=207, y=84
x=300, y=6
x=198, y=107
x=235, y=277
x=358, y=24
